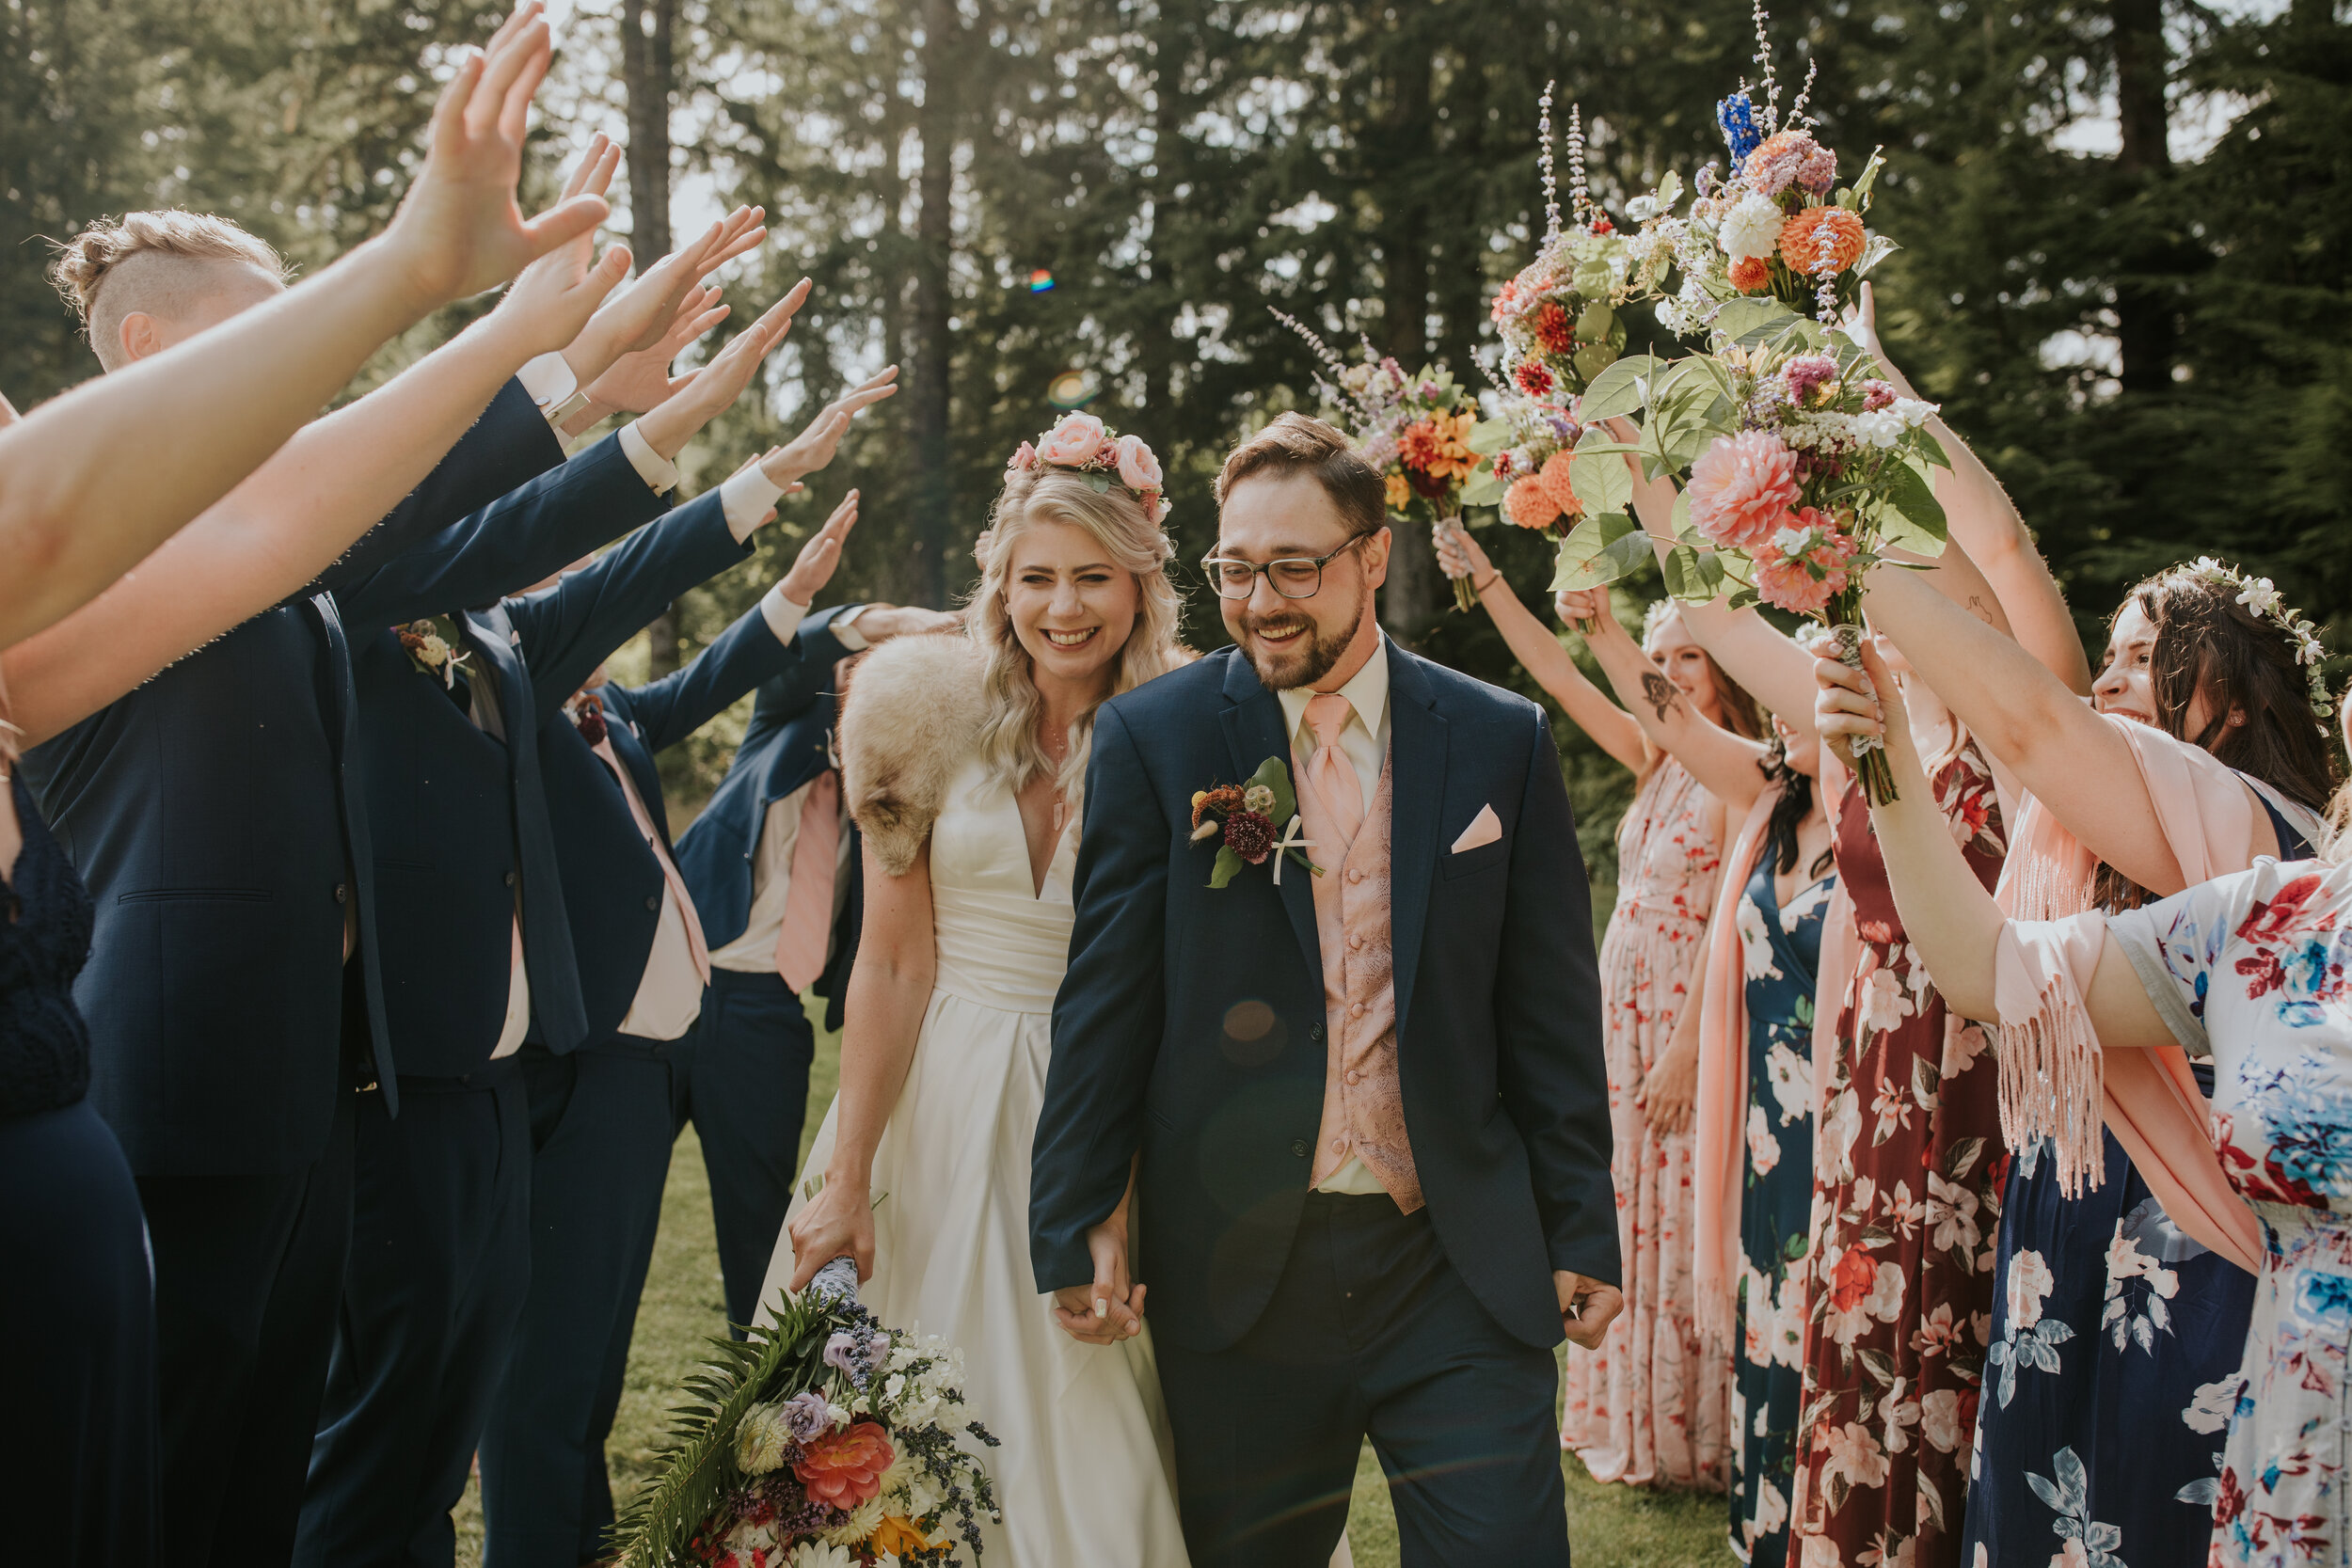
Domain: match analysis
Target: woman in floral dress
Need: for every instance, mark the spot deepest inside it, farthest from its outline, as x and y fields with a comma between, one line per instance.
x=2116, y=1332
x=2247, y=971
x=1907, y=1183
x=1651, y=1405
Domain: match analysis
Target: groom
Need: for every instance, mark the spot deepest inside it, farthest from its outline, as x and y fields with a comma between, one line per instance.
x=1370, y=1104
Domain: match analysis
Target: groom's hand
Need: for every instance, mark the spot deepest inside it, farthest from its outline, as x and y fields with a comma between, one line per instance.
x=1586, y=1308
x=1111, y=1309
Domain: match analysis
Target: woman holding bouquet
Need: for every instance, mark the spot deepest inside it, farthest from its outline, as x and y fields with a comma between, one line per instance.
x=2123, y=1291
x=962, y=757
x=2246, y=971
x=1651, y=1405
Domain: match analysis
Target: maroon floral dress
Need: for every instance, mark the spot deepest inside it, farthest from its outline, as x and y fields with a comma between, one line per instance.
x=1907, y=1166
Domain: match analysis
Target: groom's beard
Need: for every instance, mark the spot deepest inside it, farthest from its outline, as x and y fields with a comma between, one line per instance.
x=1303, y=660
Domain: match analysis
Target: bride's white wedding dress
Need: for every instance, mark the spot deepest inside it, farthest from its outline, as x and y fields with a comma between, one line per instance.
x=1084, y=1472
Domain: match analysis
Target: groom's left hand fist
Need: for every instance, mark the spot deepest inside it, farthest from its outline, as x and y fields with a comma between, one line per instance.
x=1587, y=1307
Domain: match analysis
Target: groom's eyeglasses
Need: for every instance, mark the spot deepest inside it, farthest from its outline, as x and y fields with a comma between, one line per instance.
x=1293, y=577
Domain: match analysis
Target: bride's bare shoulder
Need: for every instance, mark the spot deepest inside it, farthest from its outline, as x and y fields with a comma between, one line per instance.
x=912, y=715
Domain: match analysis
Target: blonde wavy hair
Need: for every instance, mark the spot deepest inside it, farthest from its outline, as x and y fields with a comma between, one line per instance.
x=1114, y=518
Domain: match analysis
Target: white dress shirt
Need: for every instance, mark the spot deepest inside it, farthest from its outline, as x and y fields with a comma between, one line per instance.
x=483, y=710
x=1365, y=740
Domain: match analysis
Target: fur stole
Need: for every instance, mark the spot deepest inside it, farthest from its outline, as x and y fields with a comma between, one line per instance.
x=911, y=720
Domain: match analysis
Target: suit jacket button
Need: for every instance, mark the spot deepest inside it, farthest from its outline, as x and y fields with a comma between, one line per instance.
x=510, y=878
x=1315, y=1033
x=342, y=892
x=653, y=901
x=1299, y=1146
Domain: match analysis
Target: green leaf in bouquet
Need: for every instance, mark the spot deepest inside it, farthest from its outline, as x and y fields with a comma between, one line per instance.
x=1911, y=518
x=1594, y=281
x=1931, y=449
x=1877, y=248
x=1593, y=358
x=1488, y=436
x=1600, y=549
x=1680, y=520
x=1858, y=199
x=1229, y=866
x=1618, y=390
x=1753, y=319
x=1594, y=322
x=1744, y=599
x=1669, y=191
x=1602, y=482
x=1693, y=575
x=1483, y=489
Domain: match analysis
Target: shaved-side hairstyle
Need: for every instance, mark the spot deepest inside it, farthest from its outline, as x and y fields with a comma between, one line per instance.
x=160, y=262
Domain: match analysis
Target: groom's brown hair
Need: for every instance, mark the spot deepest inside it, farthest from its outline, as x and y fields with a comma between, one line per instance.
x=1294, y=444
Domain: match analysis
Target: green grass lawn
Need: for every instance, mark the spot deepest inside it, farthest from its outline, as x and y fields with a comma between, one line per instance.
x=1610, y=1527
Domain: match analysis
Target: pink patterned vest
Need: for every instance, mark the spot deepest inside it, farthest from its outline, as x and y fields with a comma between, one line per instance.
x=1363, y=1099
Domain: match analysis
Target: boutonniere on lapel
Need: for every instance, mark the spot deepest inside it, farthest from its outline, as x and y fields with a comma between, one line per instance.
x=587, y=711
x=1243, y=815
x=432, y=647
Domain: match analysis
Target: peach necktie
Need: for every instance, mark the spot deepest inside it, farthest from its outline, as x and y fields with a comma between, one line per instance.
x=801, y=943
x=1334, y=776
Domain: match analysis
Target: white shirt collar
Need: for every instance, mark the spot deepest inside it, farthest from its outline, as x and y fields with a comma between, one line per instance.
x=1366, y=691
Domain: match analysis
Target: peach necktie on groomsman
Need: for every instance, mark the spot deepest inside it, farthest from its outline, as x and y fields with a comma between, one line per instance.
x=1335, y=780
x=669, y=868
x=807, y=930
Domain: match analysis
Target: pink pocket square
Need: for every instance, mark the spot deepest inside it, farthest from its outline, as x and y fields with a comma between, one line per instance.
x=1483, y=829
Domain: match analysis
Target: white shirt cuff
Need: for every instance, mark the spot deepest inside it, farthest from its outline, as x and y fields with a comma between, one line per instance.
x=844, y=629
x=783, y=615
x=549, y=380
x=747, y=497
x=655, y=469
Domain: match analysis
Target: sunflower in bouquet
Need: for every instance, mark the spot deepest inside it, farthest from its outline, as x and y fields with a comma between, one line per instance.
x=1415, y=431
x=820, y=1441
x=1800, y=465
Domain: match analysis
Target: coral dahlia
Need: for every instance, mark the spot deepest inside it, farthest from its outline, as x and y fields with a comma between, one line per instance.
x=1528, y=504
x=1750, y=274
x=845, y=1468
x=1742, y=488
x=1818, y=234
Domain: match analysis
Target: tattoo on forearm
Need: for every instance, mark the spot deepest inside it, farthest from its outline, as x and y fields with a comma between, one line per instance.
x=1659, y=692
x=1975, y=607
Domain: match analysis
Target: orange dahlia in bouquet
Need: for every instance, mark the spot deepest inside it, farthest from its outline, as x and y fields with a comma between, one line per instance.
x=821, y=1440
x=1415, y=431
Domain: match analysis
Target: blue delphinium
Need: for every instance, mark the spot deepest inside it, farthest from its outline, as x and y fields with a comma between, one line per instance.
x=1736, y=116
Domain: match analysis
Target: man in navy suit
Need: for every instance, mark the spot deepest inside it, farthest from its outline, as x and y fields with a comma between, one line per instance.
x=771, y=864
x=1369, y=1102
x=601, y=1115
x=473, y=939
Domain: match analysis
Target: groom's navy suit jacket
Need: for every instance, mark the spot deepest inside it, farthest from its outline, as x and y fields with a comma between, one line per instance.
x=216, y=816
x=613, y=884
x=786, y=743
x=457, y=816
x=1190, y=1023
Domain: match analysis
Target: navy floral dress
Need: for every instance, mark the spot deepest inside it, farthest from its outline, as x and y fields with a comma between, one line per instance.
x=2115, y=1360
x=1780, y=952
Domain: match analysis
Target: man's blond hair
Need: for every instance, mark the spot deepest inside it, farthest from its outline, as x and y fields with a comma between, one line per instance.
x=161, y=263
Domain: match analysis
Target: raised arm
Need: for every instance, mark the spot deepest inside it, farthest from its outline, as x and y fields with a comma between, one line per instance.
x=93, y=480
x=1986, y=524
x=1731, y=766
x=1554, y=668
x=1946, y=912
x=2074, y=762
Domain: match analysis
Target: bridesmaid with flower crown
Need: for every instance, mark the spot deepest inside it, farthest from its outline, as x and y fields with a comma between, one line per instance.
x=1650, y=1407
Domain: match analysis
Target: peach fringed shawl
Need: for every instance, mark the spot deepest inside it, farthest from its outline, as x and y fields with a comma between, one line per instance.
x=2052, y=1070
x=1719, y=1144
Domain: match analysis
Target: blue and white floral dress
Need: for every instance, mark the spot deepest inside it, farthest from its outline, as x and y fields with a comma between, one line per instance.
x=2114, y=1360
x=2250, y=971
x=1780, y=952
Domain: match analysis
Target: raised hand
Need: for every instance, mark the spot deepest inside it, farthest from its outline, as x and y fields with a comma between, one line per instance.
x=643, y=316
x=1581, y=608
x=459, y=231
x=1587, y=1307
x=668, y=428
x=557, y=294
x=640, y=382
x=1849, y=707
x=815, y=565
x=814, y=447
x=1862, y=324
x=1459, y=556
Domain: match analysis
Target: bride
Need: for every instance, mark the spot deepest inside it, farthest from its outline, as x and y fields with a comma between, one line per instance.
x=962, y=756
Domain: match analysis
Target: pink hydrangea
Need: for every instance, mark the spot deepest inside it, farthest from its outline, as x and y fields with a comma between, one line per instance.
x=1876, y=394
x=1807, y=374
x=1804, y=582
x=1743, y=489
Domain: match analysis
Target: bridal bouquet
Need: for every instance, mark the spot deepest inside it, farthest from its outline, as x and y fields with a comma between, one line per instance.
x=1414, y=431
x=822, y=1441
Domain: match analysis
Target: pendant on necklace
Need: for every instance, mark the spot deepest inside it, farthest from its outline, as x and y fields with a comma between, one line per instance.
x=1061, y=810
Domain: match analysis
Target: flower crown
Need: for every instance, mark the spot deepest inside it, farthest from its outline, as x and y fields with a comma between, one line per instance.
x=1084, y=445
x=2260, y=597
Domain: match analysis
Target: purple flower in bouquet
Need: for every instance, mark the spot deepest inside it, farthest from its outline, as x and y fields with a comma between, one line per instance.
x=805, y=1415
x=842, y=1352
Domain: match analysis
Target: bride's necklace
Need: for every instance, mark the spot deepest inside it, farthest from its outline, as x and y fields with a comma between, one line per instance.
x=1057, y=755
